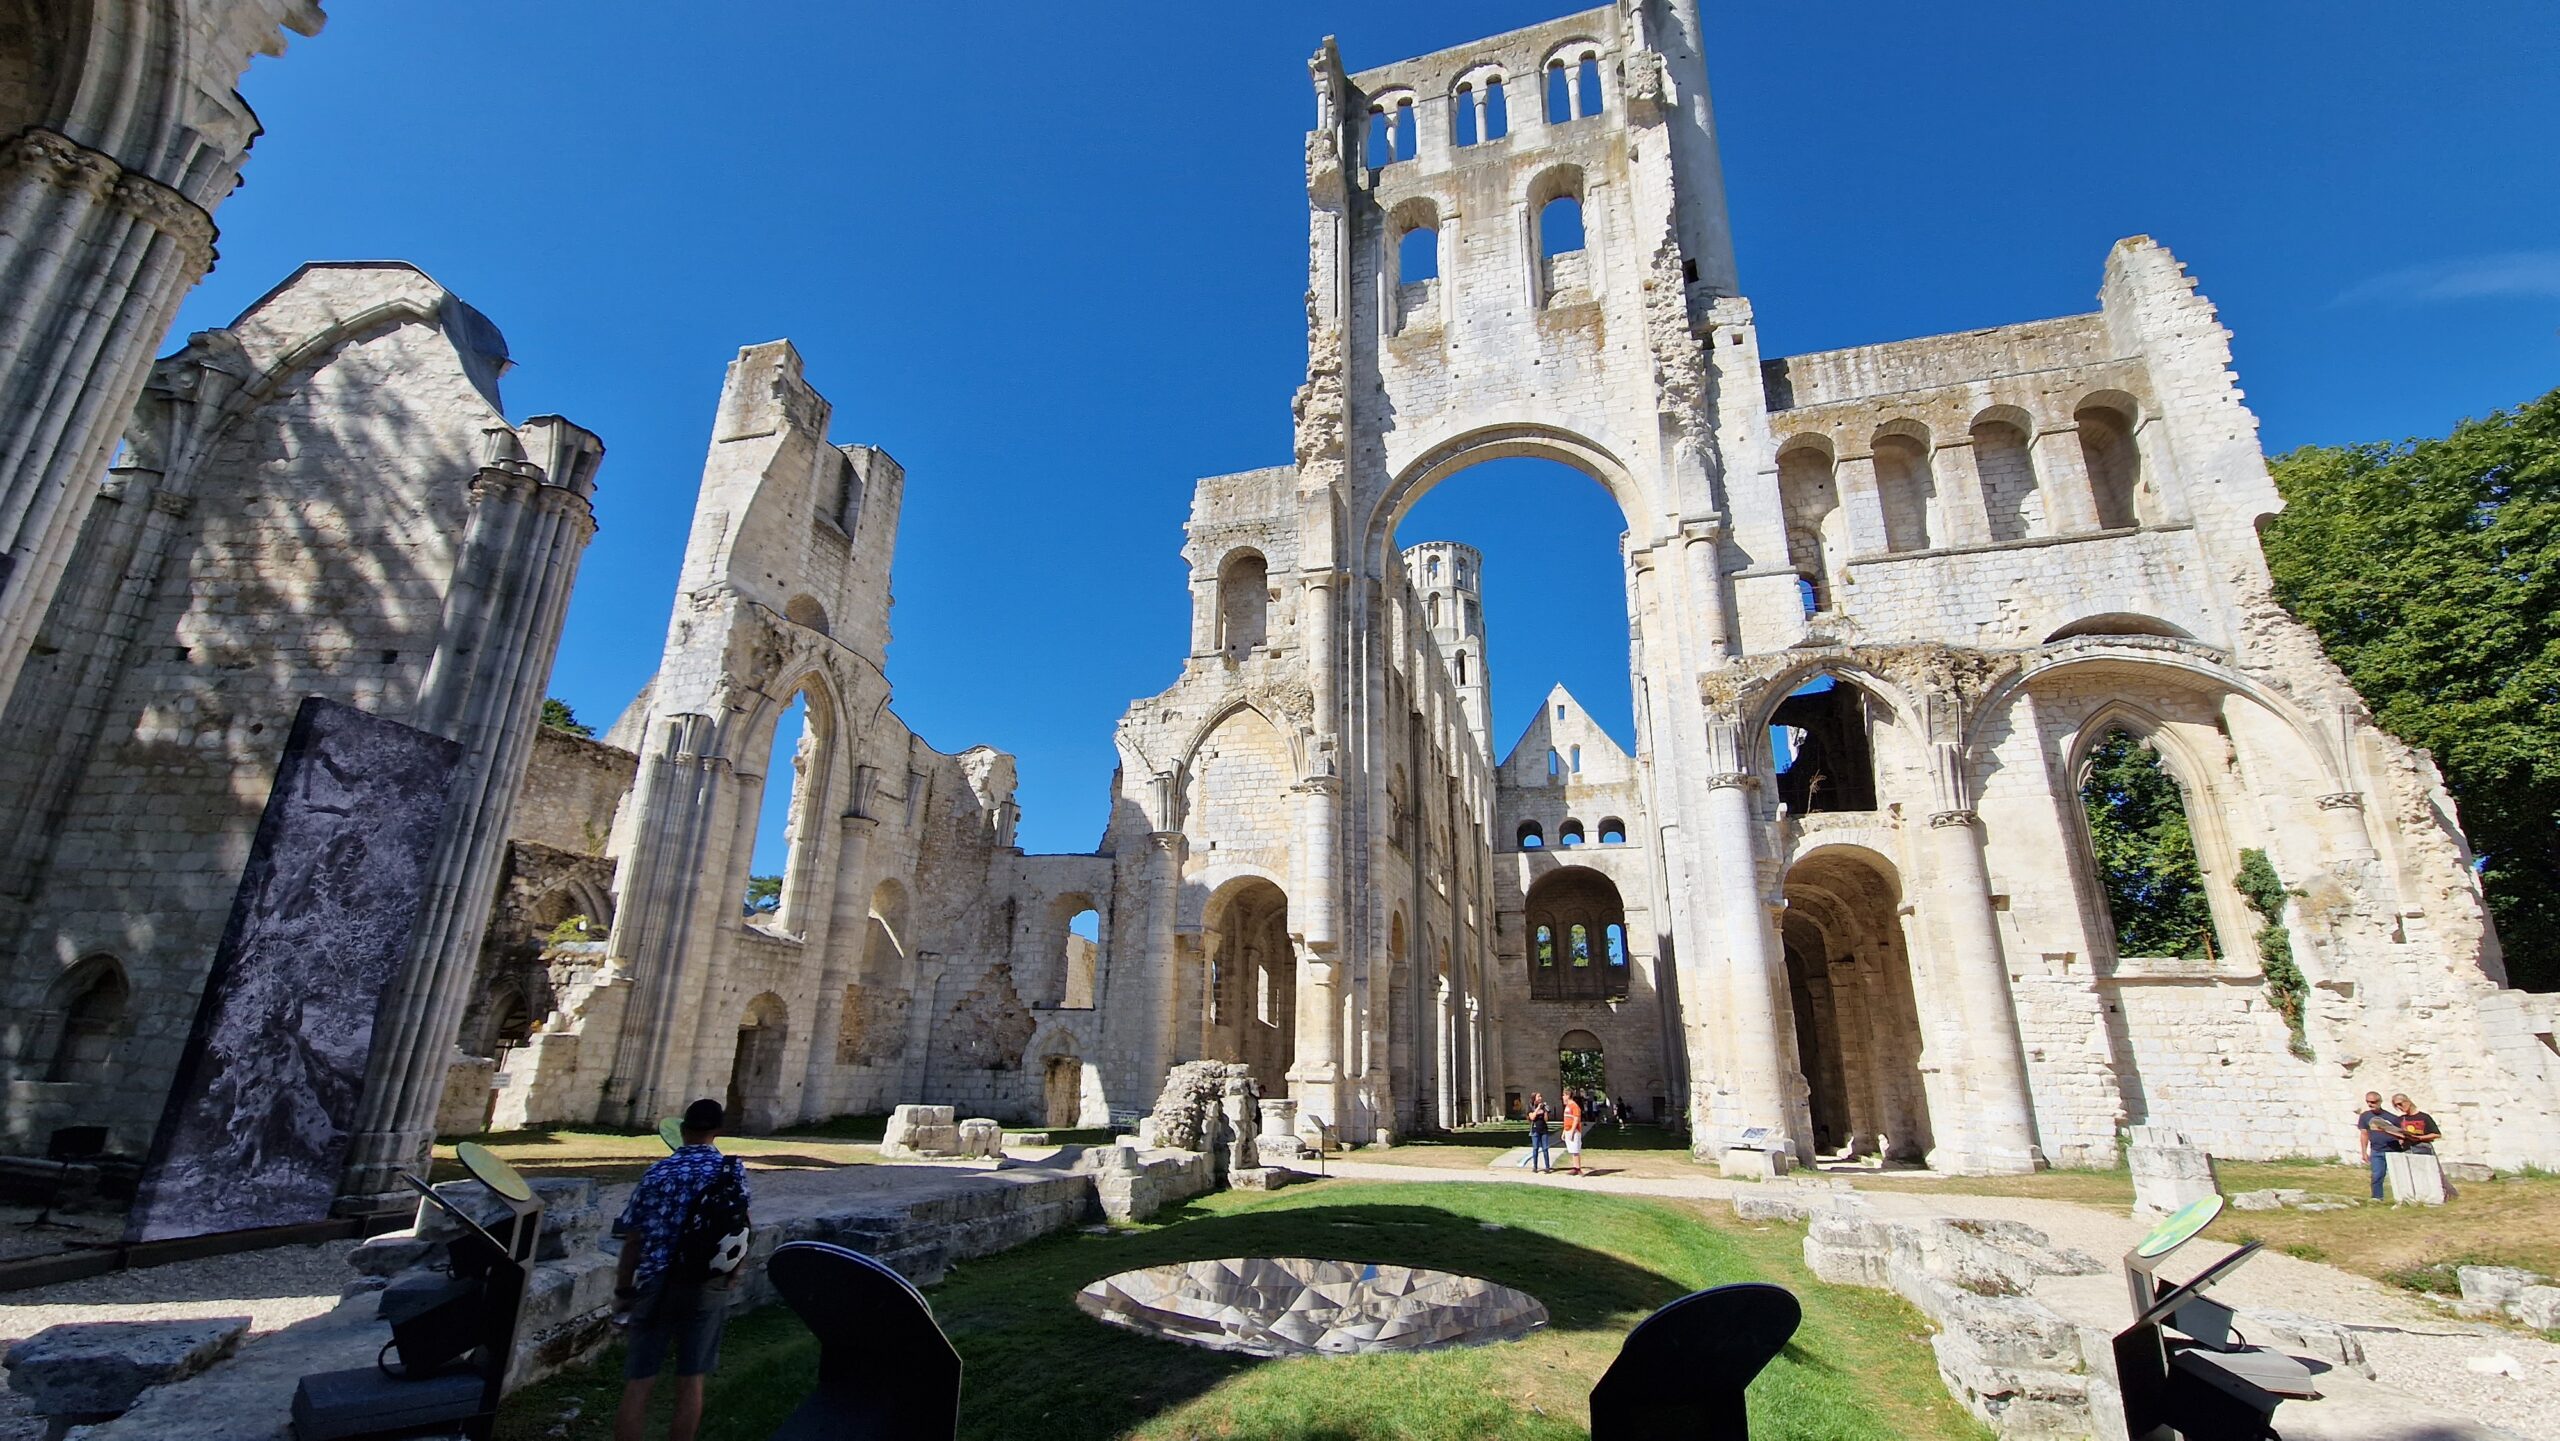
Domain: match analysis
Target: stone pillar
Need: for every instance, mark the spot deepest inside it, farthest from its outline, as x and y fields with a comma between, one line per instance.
x=1698, y=547
x=2342, y=826
x=530, y=522
x=2062, y=473
x=93, y=262
x=1855, y=476
x=1444, y=1031
x=677, y=798
x=1753, y=968
x=1163, y=959
x=921, y=1015
x=848, y=935
x=1998, y=1124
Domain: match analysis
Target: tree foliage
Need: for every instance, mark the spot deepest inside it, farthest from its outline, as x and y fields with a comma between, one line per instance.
x=557, y=716
x=764, y=895
x=2431, y=571
x=2146, y=855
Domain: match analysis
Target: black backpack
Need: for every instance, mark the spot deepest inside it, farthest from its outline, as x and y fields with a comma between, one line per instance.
x=713, y=1239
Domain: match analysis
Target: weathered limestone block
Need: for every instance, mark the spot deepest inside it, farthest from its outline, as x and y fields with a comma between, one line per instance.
x=1264, y=1178
x=468, y=1081
x=2299, y=1335
x=2415, y=1179
x=1755, y=1165
x=981, y=1138
x=1132, y=1185
x=95, y=1369
x=1773, y=1207
x=2494, y=1285
x=2274, y=1200
x=2168, y=1170
x=2537, y=1306
x=920, y=1133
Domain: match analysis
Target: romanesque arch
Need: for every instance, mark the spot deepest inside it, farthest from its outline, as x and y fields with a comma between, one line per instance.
x=1858, y=1036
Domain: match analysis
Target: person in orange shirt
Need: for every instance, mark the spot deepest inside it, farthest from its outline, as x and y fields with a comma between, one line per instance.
x=1573, y=1130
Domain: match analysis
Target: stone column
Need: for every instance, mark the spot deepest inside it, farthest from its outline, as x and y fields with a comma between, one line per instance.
x=93, y=262
x=1315, y=1075
x=1753, y=964
x=1998, y=1126
x=1164, y=920
x=1478, y=1096
x=1855, y=476
x=848, y=936
x=1959, y=481
x=1444, y=1029
x=1698, y=547
x=921, y=1013
x=677, y=797
x=530, y=522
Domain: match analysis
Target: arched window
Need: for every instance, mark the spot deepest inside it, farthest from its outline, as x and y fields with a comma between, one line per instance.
x=1532, y=836
x=2010, y=499
x=1244, y=604
x=1586, y=88
x=1577, y=905
x=1564, y=266
x=1819, y=742
x=1577, y=760
x=1555, y=763
x=1431, y=608
x=1462, y=667
x=1569, y=834
x=1909, y=492
x=2115, y=467
x=1809, y=495
x=1391, y=131
x=1613, y=832
x=1560, y=226
x=1431, y=568
x=1418, y=256
x=1546, y=948
x=1809, y=595
x=1080, y=959
x=790, y=830
x=2145, y=852
x=1478, y=112
x=91, y=998
x=1617, y=944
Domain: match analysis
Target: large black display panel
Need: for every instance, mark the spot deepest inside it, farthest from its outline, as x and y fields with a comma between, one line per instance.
x=257, y=1127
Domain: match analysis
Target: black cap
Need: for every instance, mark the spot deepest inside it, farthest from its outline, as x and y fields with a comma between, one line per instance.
x=704, y=1115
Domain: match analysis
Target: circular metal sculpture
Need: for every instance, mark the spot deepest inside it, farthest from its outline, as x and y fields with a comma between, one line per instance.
x=1293, y=1306
x=492, y=1171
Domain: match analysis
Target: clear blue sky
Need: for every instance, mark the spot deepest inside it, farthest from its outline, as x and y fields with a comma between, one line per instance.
x=1052, y=257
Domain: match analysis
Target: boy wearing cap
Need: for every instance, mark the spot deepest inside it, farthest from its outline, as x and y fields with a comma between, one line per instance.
x=669, y=1313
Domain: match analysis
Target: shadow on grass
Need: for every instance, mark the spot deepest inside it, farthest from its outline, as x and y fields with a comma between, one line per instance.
x=1035, y=1364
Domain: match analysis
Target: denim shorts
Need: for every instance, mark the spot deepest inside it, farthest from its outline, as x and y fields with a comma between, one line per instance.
x=685, y=1318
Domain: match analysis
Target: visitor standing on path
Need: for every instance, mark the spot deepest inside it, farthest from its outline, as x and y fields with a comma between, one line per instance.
x=1542, y=1155
x=2378, y=1133
x=686, y=1218
x=1573, y=1130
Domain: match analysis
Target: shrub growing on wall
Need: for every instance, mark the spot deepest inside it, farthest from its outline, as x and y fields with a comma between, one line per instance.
x=2285, y=986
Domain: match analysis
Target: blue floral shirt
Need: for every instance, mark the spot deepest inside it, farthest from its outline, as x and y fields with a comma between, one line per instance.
x=658, y=1205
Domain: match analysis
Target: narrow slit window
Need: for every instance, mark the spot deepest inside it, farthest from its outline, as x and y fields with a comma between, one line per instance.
x=1559, y=93
x=1546, y=947
x=1581, y=945
x=1465, y=116
x=1497, y=113
x=1587, y=86
x=1617, y=945
x=1405, y=129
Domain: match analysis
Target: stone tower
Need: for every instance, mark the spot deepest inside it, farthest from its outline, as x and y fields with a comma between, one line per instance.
x=1450, y=579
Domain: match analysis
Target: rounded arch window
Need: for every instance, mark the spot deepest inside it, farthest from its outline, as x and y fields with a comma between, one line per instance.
x=1532, y=836
x=1613, y=831
x=1569, y=834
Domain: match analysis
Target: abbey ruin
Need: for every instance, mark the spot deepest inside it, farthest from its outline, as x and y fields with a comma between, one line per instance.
x=1839, y=900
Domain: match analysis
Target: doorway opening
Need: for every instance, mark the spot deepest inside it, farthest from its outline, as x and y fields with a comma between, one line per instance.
x=1252, y=999
x=755, y=1071
x=1857, y=1019
x=1580, y=1065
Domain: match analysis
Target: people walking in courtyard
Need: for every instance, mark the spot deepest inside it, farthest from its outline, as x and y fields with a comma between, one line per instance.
x=1573, y=1124
x=2418, y=1133
x=2378, y=1135
x=671, y=1281
x=1541, y=1149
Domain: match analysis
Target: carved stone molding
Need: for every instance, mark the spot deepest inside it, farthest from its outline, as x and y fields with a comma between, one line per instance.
x=2342, y=801
x=1734, y=780
x=1940, y=819
x=58, y=160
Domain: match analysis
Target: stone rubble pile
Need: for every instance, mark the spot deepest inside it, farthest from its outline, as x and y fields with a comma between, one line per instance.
x=2512, y=1292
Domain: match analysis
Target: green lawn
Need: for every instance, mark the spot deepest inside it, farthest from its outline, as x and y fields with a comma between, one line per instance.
x=608, y=1157
x=1037, y=1366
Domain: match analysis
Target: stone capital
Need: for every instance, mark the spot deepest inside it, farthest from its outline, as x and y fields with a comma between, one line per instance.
x=1318, y=786
x=2342, y=801
x=1733, y=780
x=1165, y=843
x=1939, y=820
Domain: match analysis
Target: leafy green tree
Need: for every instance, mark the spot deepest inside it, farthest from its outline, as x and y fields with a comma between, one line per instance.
x=2146, y=854
x=557, y=715
x=2431, y=571
x=764, y=895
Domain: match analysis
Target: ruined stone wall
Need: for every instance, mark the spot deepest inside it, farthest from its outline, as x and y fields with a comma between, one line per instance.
x=289, y=527
x=571, y=792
